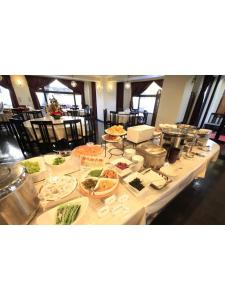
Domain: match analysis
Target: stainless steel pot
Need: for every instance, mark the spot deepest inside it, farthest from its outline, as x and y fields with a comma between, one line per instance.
x=18, y=196
x=154, y=155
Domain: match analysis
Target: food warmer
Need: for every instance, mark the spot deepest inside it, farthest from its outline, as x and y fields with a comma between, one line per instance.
x=18, y=196
x=154, y=155
x=174, y=140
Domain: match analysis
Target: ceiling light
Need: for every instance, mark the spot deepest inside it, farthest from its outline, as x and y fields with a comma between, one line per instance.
x=19, y=82
x=73, y=83
x=127, y=85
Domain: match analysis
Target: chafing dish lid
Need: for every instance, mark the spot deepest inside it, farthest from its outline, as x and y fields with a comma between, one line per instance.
x=151, y=148
x=10, y=178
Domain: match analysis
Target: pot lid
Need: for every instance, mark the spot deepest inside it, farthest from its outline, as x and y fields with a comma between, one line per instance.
x=10, y=178
x=152, y=148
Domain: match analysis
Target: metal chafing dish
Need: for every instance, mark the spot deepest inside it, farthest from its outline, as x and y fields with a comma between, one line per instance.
x=174, y=140
x=154, y=155
x=18, y=196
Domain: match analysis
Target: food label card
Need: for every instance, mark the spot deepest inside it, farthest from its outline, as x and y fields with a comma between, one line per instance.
x=91, y=161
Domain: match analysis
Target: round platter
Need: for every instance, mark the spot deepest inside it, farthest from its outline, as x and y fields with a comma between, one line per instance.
x=93, y=150
x=106, y=137
x=94, y=193
x=114, y=133
x=57, y=187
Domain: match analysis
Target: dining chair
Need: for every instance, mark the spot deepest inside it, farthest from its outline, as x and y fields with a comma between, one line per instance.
x=5, y=125
x=113, y=118
x=143, y=118
x=27, y=145
x=89, y=129
x=73, y=113
x=74, y=133
x=34, y=114
x=19, y=116
x=133, y=120
x=45, y=136
x=145, y=113
x=106, y=121
x=17, y=110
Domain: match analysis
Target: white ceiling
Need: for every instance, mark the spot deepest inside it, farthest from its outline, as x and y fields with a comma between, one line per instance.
x=110, y=77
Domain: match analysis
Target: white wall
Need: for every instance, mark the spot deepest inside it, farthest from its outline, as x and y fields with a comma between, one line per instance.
x=87, y=93
x=126, y=98
x=174, y=98
x=106, y=96
x=22, y=90
x=99, y=100
x=185, y=98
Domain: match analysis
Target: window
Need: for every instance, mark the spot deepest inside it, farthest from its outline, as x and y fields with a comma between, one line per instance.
x=146, y=101
x=59, y=91
x=5, y=97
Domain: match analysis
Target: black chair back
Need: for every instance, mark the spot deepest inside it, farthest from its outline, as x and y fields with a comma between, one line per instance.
x=73, y=113
x=21, y=135
x=105, y=117
x=89, y=129
x=74, y=133
x=20, y=116
x=145, y=113
x=113, y=118
x=214, y=121
x=17, y=110
x=34, y=114
x=133, y=119
x=75, y=107
x=46, y=142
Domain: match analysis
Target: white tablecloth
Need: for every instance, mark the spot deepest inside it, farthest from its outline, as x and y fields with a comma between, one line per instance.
x=58, y=126
x=5, y=117
x=153, y=201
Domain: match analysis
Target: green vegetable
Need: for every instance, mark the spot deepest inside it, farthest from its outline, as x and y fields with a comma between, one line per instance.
x=95, y=173
x=67, y=214
x=31, y=166
x=58, y=161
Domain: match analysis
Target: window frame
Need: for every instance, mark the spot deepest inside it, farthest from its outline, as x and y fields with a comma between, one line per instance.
x=45, y=92
x=140, y=96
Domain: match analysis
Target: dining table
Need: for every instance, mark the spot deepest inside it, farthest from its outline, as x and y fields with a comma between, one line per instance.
x=140, y=209
x=4, y=117
x=58, y=126
x=123, y=117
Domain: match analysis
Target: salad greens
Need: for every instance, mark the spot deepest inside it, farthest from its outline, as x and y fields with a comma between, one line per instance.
x=31, y=166
x=95, y=173
x=58, y=161
x=67, y=214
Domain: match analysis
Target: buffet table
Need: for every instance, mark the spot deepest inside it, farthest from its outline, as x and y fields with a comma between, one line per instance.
x=139, y=208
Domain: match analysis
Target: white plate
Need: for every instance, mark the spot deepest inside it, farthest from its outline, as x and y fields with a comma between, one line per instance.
x=57, y=187
x=145, y=182
x=42, y=174
x=49, y=217
x=124, y=172
x=115, y=134
x=169, y=170
x=104, y=137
